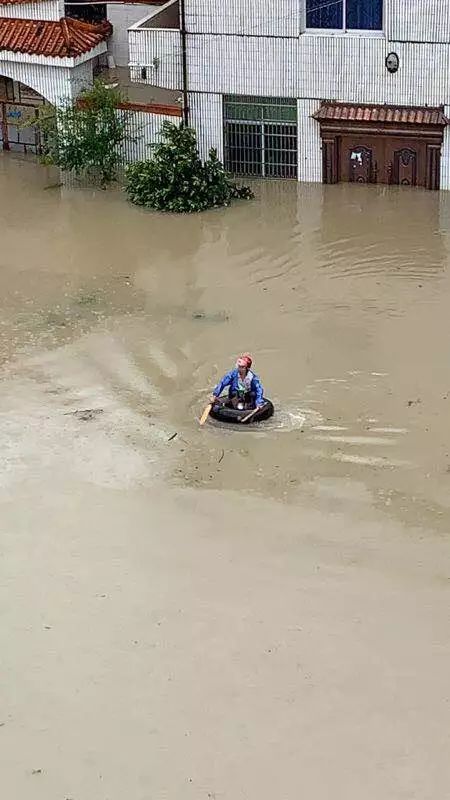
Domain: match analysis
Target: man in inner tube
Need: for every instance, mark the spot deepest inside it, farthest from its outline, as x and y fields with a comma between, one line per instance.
x=245, y=389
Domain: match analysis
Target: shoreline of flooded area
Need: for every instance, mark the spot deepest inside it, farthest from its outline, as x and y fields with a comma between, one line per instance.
x=161, y=639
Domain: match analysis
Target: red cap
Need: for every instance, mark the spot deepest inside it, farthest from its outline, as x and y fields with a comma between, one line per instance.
x=245, y=361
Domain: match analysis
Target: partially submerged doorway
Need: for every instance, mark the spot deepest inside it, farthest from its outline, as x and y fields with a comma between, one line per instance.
x=381, y=144
x=19, y=108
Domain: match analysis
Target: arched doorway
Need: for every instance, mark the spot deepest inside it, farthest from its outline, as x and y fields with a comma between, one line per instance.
x=19, y=107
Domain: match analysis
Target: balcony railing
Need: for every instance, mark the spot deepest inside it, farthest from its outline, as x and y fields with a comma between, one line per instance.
x=155, y=48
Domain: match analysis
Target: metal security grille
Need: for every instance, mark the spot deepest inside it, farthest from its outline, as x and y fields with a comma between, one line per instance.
x=261, y=136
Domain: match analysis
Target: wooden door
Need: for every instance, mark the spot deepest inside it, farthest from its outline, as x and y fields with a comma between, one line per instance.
x=405, y=167
x=360, y=164
x=360, y=159
x=402, y=161
x=406, y=161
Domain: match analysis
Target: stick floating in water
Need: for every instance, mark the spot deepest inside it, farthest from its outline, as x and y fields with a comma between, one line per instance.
x=205, y=414
x=249, y=416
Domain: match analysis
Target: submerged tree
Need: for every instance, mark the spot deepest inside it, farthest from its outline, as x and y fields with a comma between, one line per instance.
x=176, y=179
x=86, y=136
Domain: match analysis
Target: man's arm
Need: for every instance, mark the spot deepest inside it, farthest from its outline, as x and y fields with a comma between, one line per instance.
x=258, y=390
x=226, y=380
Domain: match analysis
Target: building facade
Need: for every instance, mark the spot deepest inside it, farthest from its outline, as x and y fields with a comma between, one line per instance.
x=45, y=57
x=51, y=50
x=317, y=90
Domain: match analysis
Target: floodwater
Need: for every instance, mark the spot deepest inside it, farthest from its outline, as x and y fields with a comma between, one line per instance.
x=213, y=613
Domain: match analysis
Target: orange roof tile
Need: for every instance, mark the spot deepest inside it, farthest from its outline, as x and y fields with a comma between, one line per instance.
x=153, y=108
x=132, y=2
x=66, y=38
x=349, y=112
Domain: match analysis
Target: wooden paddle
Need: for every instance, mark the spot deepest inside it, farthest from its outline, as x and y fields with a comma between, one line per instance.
x=205, y=414
x=249, y=416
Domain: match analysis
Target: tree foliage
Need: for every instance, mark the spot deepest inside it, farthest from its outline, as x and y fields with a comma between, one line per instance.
x=176, y=179
x=86, y=136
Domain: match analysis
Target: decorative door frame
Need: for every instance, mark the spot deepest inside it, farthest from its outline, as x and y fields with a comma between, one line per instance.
x=332, y=131
x=398, y=155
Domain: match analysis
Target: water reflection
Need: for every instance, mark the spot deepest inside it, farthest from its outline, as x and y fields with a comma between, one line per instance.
x=381, y=231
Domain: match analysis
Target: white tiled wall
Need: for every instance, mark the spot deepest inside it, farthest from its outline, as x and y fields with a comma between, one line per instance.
x=122, y=16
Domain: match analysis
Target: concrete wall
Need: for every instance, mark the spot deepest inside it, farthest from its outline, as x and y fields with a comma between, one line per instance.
x=168, y=17
x=347, y=68
x=148, y=44
x=53, y=83
x=121, y=18
x=237, y=48
x=145, y=129
x=206, y=116
x=418, y=20
x=249, y=17
x=47, y=9
x=309, y=142
x=404, y=20
x=445, y=155
x=81, y=77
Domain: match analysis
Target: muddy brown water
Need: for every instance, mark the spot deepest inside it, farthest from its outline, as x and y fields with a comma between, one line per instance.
x=288, y=627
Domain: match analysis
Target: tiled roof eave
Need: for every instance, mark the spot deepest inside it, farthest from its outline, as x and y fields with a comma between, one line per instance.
x=359, y=113
x=62, y=39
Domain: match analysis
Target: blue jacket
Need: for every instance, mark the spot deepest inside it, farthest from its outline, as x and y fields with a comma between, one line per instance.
x=231, y=380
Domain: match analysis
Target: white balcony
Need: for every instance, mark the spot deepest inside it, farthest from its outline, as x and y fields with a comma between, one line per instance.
x=155, y=48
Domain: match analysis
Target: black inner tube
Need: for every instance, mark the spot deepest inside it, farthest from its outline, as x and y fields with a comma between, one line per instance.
x=226, y=413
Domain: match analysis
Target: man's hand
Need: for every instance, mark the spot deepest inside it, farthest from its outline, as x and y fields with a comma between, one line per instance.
x=212, y=399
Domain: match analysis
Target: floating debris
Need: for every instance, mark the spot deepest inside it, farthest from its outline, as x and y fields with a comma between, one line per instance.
x=86, y=414
x=215, y=316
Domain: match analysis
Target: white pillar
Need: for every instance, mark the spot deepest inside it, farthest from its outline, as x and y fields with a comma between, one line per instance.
x=445, y=154
x=309, y=142
x=206, y=116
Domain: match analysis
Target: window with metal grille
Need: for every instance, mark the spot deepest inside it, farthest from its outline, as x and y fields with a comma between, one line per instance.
x=261, y=136
x=364, y=15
